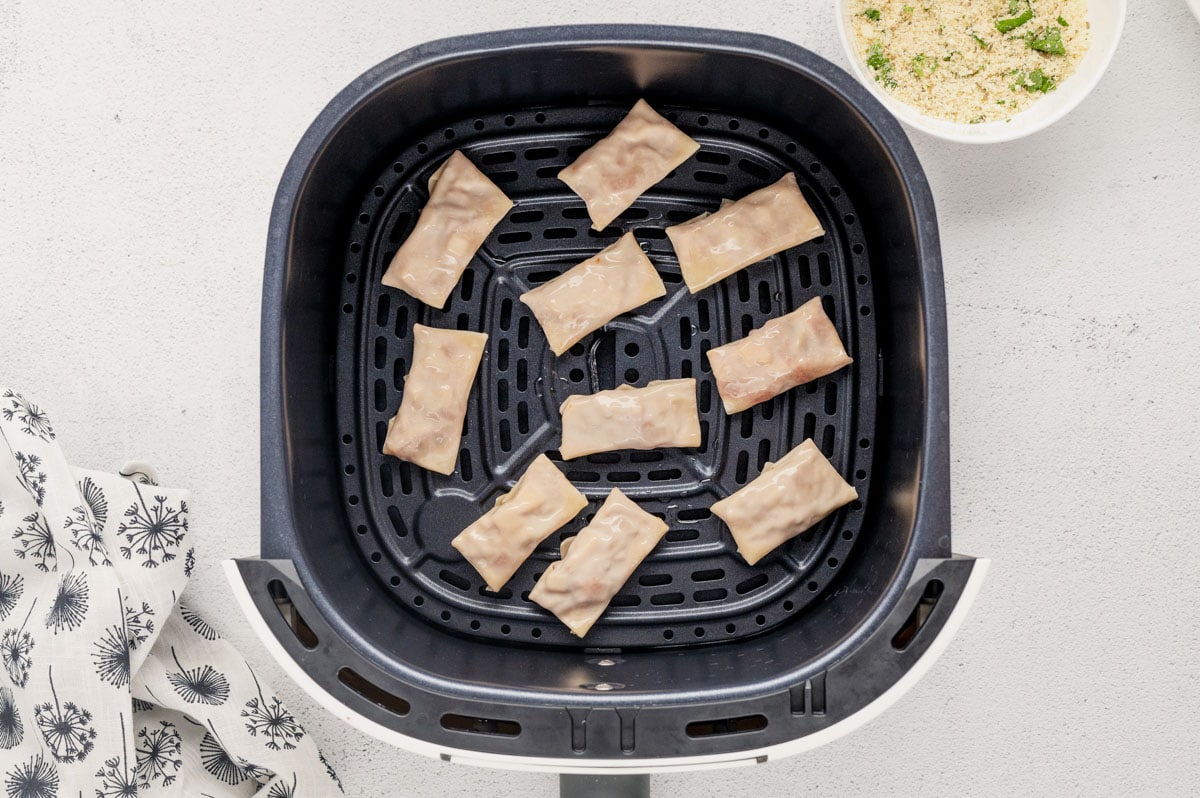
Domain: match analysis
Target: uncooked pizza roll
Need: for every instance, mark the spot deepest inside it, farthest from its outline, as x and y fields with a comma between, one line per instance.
x=715, y=245
x=661, y=414
x=463, y=208
x=783, y=353
x=597, y=562
x=615, y=171
x=788, y=497
x=428, y=426
x=593, y=293
x=541, y=502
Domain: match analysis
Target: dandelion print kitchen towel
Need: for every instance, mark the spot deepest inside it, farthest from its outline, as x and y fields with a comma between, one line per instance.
x=110, y=686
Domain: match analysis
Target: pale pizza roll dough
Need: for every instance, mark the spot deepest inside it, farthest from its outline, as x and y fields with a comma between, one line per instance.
x=661, y=414
x=597, y=562
x=615, y=171
x=783, y=353
x=593, y=293
x=428, y=426
x=715, y=245
x=463, y=208
x=788, y=497
x=541, y=502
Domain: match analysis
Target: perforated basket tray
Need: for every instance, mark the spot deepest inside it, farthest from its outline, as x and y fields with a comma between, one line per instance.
x=395, y=625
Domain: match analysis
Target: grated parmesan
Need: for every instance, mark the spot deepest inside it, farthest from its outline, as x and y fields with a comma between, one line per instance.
x=950, y=58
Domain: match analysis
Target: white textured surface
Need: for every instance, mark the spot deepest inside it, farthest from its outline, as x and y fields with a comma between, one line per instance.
x=139, y=151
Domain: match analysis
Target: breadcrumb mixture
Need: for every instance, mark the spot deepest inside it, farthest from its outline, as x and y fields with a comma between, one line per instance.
x=970, y=61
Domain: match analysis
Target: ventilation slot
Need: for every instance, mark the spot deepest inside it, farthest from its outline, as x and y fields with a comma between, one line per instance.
x=541, y=153
x=743, y=286
x=451, y=578
x=506, y=306
x=751, y=584
x=291, y=616
x=694, y=514
x=723, y=726
x=714, y=178
x=382, y=310
x=380, y=352
x=397, y=520
x=493, y=158
x=489, y=726
x=755, y=170
x=666, y=599
x=803, y=272
x=515, y=237
x=714, y=594
x=824, y=273
x=710, y=575
x=682, y=535
x=764, y=453
x=743, y=467
x=677, y=217
x=919, y=615
x=373, y=692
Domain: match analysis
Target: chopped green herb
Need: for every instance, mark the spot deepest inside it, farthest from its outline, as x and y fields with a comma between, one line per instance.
x=949, y=56
x=1010, y=23
x=1048, y=40
x=1063, y=22
x=980, y=40
x=1037, y=80
x=977, y=120
x=872, y=14
x=923, y=65
x=881, y=64
x=906, y=11
x=941, y=28
x=1000, y=102
x=1014, y=6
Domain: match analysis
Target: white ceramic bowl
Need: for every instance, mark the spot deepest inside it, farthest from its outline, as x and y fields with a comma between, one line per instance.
x=1107, y=18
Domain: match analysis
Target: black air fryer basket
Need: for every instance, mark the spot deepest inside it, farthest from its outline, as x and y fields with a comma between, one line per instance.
x=701, y=659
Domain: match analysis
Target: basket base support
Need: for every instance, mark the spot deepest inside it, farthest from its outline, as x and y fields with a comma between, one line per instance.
x=587, y=785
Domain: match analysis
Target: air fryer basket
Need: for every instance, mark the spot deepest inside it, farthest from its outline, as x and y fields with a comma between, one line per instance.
x=701, y=658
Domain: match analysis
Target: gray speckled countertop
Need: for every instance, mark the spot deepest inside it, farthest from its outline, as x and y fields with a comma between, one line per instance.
x=139, y=152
